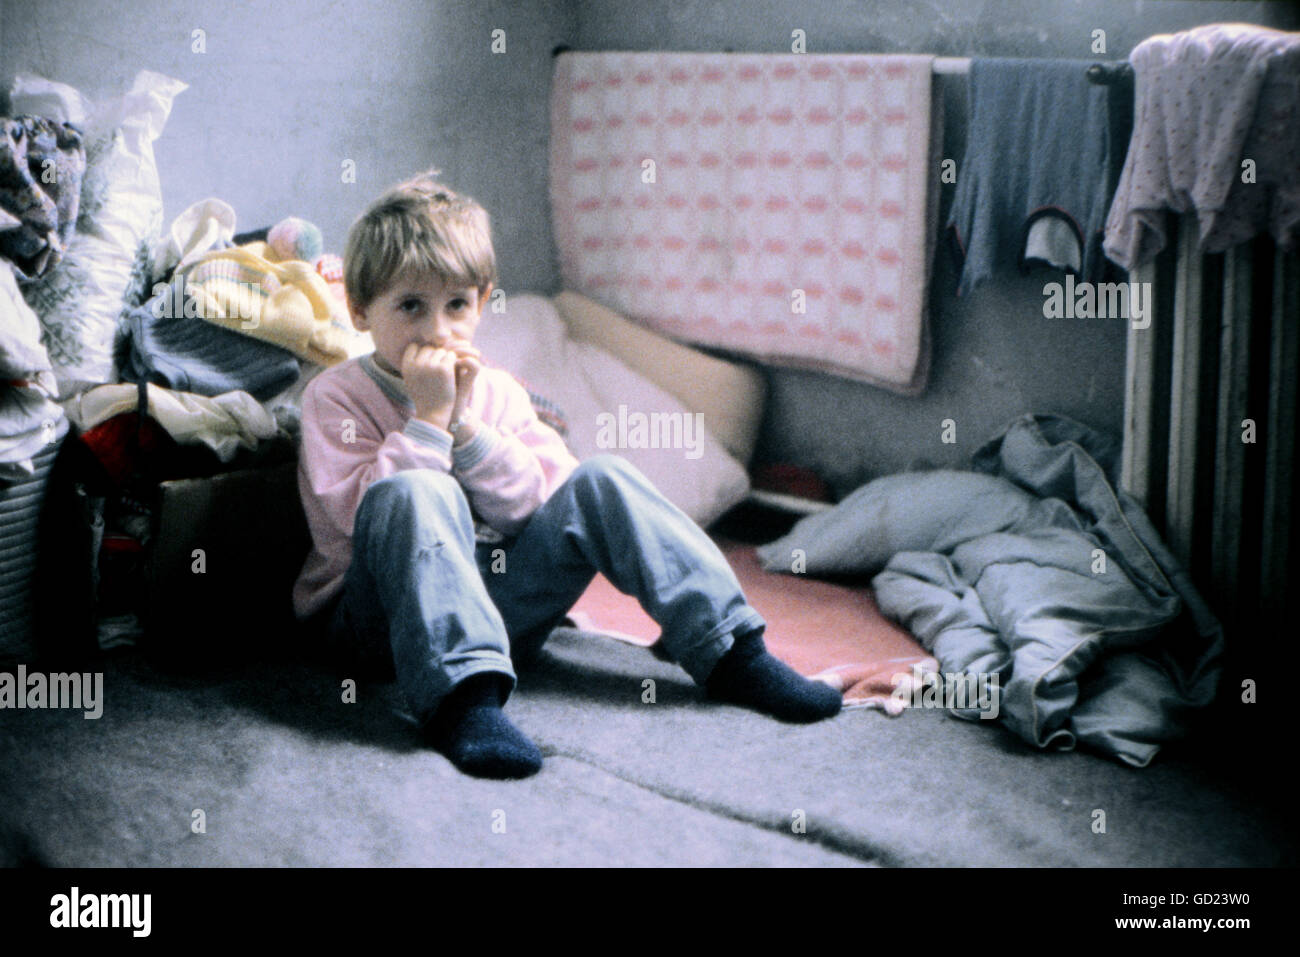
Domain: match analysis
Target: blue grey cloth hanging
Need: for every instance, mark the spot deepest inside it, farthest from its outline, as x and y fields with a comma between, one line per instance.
x=1039, y=170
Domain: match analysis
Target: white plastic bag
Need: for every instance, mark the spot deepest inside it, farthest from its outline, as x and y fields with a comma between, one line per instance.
x=80, y=300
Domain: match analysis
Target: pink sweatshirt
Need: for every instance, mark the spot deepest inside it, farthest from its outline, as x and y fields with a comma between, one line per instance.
x=357, y=428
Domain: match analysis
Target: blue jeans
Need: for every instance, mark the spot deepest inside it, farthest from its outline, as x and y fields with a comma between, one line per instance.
x=445, y=607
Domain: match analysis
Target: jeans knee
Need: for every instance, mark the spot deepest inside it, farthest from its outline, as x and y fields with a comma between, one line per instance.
x=606, y=469
x=604, y=478
x=599, y=477
x=414, y=490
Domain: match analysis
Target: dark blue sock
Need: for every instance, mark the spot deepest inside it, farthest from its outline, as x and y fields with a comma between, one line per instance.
x=474, y=733
x=749, y=676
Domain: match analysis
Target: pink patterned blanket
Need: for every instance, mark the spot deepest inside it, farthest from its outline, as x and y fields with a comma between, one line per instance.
x=773, y=206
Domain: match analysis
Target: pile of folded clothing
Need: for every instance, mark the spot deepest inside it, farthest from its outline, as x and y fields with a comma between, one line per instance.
x=238, y=313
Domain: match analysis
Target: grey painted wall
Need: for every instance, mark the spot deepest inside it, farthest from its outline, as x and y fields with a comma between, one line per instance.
x=287, y=90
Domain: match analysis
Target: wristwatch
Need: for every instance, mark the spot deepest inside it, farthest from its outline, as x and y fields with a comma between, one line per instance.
x=455, y=426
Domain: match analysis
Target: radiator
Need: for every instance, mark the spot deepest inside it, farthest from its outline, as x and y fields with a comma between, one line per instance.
x=1210, y=422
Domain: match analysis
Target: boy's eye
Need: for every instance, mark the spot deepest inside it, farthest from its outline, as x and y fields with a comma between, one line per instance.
x=409, y=305
x=457, y=304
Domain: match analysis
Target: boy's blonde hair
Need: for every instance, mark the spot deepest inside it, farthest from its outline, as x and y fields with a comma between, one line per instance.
x=422, y=225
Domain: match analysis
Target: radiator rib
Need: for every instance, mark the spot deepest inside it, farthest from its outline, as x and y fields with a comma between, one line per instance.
x=1216, y=368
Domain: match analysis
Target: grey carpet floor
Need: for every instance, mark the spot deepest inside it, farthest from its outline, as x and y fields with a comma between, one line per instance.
x=286, y=773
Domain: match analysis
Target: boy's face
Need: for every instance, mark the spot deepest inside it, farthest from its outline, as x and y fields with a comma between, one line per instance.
x=419, y=308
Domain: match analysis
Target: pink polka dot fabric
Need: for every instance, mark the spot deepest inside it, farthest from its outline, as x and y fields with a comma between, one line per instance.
x=1208, y=99
x=774, y=206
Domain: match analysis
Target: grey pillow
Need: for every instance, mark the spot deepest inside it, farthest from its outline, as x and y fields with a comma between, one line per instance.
x=908, y=512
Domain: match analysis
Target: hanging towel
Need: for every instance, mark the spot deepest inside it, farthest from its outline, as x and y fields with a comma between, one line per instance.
x=1209, y=99
x=771, y=205
x=1036, y=180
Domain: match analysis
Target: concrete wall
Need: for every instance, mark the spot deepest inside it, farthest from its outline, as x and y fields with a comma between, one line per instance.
x=288, y=90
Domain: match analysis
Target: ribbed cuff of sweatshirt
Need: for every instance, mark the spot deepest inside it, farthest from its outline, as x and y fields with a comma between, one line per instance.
x=476, y=449
x=427, y=434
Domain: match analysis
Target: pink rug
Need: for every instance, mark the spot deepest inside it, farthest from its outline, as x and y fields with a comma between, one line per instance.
x=834, y=633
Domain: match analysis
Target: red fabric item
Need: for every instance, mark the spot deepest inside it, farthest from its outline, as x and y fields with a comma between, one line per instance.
x=114, y=444
x=792, y=480
x=120, y=543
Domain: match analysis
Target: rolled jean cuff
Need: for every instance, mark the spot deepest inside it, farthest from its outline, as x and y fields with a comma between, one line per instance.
x=456, y=668
x=703, y=656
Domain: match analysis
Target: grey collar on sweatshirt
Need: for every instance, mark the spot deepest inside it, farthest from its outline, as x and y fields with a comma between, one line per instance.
x=391, y=385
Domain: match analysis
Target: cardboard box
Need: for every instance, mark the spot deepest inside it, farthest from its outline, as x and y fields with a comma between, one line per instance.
x=222, y=564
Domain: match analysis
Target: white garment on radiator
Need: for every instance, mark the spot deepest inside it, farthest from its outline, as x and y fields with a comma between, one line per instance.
x=1208, y=99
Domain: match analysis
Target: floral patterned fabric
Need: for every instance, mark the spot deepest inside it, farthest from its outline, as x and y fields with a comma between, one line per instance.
x=41, y=165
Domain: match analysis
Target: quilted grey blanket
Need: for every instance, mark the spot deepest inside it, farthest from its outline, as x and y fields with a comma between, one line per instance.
x=1036, y=569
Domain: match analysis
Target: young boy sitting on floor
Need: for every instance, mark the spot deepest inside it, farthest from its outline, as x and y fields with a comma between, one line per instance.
x=452, y=530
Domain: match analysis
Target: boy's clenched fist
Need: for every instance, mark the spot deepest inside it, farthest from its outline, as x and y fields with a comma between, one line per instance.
x=440, y=380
